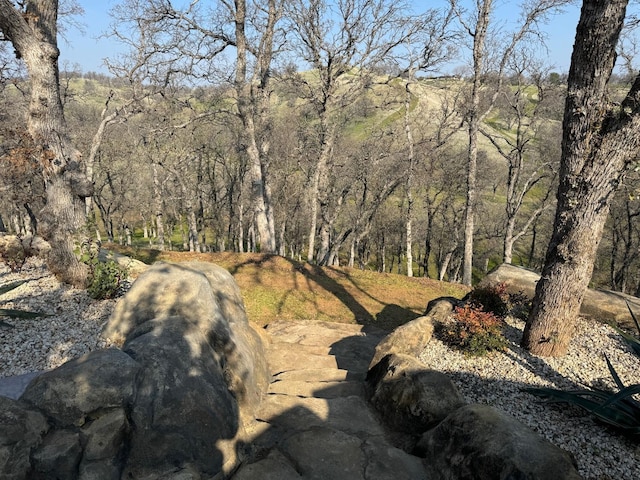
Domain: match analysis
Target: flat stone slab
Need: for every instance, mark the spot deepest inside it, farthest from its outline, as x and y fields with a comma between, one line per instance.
x=299, y=388
x=314, y=375
x=14, y=386
x=318, y=333
x=349, y=414
x=296, y=358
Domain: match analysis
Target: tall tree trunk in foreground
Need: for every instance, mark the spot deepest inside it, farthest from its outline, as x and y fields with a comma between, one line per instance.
x=33, y=33
x=599, y=141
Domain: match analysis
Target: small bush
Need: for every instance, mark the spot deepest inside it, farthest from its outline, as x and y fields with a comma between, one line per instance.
x=106, y=280
x=493, y=298
x=474, y=331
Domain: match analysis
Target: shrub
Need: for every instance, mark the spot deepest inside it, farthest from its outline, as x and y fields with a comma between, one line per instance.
x=474, y=331
x=106, y=280
x=493, y=298
x=496, y=299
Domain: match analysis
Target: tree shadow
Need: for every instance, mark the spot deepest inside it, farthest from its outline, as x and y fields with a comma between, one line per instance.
x=316, y=277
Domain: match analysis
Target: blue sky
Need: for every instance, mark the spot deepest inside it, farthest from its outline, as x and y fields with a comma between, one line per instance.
x=87, y=50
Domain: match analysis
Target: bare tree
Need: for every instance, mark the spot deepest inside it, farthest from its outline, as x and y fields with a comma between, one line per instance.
x=515, y=142
x=32, y=28
x=431, y=47
x=340, y=41
x=599, y=141
x=184, y=44
x=624, y=233
x=478, y=26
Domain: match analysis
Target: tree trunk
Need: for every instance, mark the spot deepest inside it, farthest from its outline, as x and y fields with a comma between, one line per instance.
x=253, y=108
x=409, y=184
x=479, y=54
x=157, y=201
x=319, y=188
x=509, y=240
x=33, y=33
x=599, y=141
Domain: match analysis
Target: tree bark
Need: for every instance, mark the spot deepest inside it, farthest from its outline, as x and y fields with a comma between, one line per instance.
x=33, y=33
x=479, y=54
x=409, y=182
x=157, y=204
x=599, y=142
x=253, y=109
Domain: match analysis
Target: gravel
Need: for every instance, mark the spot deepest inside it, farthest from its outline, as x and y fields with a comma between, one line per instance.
x=75, y=320
x=69, y=330
x=498, y=380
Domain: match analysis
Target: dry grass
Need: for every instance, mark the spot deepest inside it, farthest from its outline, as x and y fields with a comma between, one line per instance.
x=275, y=287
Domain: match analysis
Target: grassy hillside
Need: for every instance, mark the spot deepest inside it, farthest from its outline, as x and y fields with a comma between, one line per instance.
x=275, y=287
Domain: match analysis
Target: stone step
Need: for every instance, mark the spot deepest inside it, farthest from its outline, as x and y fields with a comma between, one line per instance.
x=318, y=332
x=296, y=358
x=320, y=345
x=318, y=389
x=320, y=375
x=349, y=414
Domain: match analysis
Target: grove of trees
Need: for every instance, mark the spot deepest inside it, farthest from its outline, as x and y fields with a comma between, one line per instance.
x=324, y=131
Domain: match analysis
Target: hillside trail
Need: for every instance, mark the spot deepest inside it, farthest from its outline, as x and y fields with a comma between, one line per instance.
x=315, y=422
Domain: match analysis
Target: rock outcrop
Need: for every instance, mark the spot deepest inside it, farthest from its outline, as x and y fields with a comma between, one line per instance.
x=432, y=420
x=480, y=442
x=410, y=397
x=171, y=403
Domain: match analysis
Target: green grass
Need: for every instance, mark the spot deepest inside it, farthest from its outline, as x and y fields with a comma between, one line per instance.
x=275, y=287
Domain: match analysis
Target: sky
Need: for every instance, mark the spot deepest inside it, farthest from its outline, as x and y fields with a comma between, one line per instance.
x=86, y=50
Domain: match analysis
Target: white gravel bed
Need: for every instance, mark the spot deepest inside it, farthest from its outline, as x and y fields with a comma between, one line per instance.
x=70, y=330
x=498, y=380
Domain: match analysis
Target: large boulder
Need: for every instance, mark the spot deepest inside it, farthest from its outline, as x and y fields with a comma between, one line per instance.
x=479, y=442
x=408, y=339
x=602, y=305
x=183, y=408
x=171, y=404
x=206, y=297
x=21, y=431
x=73, y=392
x=410, y=397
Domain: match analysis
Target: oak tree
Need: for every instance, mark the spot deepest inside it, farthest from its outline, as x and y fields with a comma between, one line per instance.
x=599, y=141
x=32, y=28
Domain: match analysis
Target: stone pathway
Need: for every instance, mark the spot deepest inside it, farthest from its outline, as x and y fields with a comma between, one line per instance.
x=315, y=422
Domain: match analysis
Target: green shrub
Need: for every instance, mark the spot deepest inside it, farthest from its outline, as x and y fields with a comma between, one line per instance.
x=474, y=331
x=106, y=279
